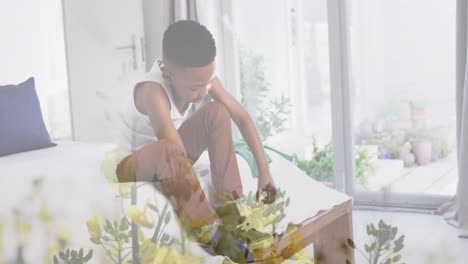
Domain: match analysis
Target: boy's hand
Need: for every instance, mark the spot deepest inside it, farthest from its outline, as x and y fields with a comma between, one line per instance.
x=266, y=183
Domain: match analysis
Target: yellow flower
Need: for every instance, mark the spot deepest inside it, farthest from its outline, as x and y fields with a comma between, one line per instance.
x=94, y=227
x=23, y=227
x=109, y=165
x=255, y=218
x=63, y=235
x=166, y=254
x=45, y=216
x=139, y=216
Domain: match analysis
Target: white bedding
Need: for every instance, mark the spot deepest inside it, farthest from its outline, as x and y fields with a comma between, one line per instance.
x=75, y=191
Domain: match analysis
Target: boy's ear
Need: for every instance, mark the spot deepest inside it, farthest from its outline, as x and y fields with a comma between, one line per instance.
x=166, y=75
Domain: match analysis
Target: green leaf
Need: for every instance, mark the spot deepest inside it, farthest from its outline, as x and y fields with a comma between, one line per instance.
x=123, y=224
x=396, y=258
x=373, y=246
x=153, y=207
x=95, y=241
x=400, y=240
x=88, y=256
x=351, y=243
x=168, y=218
x=249, y=198
x=367, y=248
x=108, y=227
x=269, y=210
x=278, y=218
x=280, y=205
x=394, y=232
x=397, y=247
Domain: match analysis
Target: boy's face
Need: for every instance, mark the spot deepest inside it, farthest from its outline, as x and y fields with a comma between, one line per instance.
x=190, y=84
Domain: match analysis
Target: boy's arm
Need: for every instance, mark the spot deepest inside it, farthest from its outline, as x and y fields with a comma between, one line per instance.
x=151, y=100
x=249, y=132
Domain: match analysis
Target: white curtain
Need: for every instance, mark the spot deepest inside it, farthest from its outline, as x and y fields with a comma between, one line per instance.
x=456, y=210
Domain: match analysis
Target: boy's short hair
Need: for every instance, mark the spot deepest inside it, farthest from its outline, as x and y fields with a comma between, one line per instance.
x=187, y=43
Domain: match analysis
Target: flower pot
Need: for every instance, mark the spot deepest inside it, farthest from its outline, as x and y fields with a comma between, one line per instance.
x=407, y=157
x=422, y=151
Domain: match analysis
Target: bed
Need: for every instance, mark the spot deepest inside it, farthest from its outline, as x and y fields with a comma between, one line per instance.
x=72, y=190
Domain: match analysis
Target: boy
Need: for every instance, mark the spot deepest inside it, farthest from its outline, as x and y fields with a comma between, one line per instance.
x=166, y=103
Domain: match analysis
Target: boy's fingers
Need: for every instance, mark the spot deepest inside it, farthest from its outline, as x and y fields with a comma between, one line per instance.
x=271, y=194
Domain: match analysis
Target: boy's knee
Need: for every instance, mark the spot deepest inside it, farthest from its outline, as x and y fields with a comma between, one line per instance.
x=219, y=112
x=183, y=180
x=157, y=160
x=126, y=169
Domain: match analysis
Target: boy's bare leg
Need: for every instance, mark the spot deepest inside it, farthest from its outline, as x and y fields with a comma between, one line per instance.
x=210, y=128
x=173, y=174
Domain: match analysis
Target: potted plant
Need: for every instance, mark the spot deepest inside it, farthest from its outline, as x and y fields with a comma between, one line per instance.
x=421, y=145
x=320, y=167
x=406, y=155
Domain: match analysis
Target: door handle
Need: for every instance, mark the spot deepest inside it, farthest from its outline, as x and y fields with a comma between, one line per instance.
x=133, y=48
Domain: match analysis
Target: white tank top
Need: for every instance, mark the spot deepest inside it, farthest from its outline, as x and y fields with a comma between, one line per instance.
x=137, y=130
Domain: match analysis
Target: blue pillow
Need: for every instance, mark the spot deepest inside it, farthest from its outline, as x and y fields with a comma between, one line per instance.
x=21, y=125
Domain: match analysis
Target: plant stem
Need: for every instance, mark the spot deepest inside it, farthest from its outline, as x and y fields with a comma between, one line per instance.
x=360, y=252
x=110, y=245
x=389, y=254
x=161, y=233
x=126, y=255
x=160, y=221
x=119, y=253
x=135, y=244
x=110, y=255
x=377, y=255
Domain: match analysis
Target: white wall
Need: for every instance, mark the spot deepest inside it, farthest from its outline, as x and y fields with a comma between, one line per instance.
x=101, y=72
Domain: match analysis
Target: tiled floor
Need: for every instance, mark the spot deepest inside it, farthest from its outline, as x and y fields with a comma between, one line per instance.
x=428, y=238
x=436, y=178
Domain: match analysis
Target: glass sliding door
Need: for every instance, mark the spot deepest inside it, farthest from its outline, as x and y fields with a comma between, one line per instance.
x=401, y=68
x=360, y=92
x=283, y=77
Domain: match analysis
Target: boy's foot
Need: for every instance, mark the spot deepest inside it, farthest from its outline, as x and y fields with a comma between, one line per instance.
x=229, y=213
x=225, y=244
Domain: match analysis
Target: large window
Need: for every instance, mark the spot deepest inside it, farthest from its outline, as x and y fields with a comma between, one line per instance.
x=402, y=64
x=284, y=78
x=360, y=92
x=32, y=44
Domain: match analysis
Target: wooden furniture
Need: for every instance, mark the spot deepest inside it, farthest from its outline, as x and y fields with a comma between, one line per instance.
x=328, y=231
